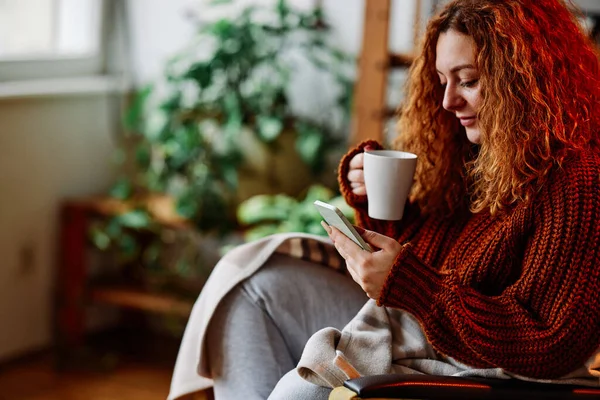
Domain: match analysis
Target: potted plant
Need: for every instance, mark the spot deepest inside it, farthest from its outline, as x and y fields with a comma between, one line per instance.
x=227, y=113
x=221, y=126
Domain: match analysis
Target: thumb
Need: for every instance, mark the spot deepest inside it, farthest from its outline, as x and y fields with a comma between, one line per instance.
x=376, y=239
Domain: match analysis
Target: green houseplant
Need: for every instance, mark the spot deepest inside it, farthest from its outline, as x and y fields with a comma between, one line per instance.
x=264, y=215
x=193, y=132
x=222, y=109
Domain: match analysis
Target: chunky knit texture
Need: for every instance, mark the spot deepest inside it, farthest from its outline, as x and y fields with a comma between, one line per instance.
x=520, y=291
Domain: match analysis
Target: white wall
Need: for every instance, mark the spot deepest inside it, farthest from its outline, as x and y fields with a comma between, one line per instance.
x=50, y=148
x=161, y=28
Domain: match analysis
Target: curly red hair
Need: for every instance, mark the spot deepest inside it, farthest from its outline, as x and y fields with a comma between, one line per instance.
x=540, y=88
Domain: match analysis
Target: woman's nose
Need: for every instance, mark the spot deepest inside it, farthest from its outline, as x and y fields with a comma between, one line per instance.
x=452, y=100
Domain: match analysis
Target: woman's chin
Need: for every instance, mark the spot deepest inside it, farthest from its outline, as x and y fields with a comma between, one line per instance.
x=473, y=135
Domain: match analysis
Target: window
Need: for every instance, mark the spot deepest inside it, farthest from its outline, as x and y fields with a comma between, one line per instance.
x=50, y=38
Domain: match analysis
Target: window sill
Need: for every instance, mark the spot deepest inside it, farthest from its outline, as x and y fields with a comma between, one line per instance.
x=79, y=86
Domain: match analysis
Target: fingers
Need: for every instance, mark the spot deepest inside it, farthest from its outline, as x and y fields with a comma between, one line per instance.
x=344, y=245
x=357, y=181
x=357, y=161
x=369, y=270
x=360, y=190
x=378, y=240
x=356, y=176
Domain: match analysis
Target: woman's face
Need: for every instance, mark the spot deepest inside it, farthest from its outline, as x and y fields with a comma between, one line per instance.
x=455, y=64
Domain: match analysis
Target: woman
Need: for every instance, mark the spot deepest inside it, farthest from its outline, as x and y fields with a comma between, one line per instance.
x=496, y=256
x=502, y=236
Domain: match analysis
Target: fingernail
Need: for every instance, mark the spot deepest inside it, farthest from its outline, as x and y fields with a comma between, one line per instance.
x=325, y=226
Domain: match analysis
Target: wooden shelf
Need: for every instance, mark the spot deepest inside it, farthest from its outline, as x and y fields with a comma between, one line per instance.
x=139, y=300
x=160, y=206
x=400, y=60
x=391, y=113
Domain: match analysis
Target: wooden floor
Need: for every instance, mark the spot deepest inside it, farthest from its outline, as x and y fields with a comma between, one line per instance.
x=35, y=379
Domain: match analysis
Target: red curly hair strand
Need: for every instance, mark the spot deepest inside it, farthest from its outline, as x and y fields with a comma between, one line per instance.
x=540, y=88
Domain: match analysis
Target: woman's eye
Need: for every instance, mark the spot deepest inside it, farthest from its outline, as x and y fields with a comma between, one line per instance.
x=469, y=84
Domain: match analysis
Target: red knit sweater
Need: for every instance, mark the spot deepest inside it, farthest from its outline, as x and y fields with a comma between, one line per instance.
x=520, y=291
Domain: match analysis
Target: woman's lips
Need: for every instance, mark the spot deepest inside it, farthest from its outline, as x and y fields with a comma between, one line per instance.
x=467, y=121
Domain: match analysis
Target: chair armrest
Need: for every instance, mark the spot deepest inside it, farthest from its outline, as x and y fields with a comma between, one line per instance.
x=445, y=387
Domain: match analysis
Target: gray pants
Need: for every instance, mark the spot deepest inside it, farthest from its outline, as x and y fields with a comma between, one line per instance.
x=260, y=328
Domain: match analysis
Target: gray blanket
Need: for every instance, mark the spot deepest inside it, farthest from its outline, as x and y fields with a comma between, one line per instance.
x=382, y=340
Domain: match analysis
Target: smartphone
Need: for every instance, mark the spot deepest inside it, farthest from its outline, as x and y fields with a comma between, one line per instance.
x=333, y=216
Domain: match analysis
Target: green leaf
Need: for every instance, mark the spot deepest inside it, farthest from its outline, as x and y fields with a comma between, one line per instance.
x=133, y=117
x=183, y=267
x=230, y=176
x=315, y=228
x=135, y=219
x=283, y=10
x=100, y=239
x=142, y=155
x=122, y=189
x=261, y=231
x=308, y=145
x=233, y=125
x=222, y=29
x=151, y=254
x=128, y=246
x=202, y=73
x=172, y=103
x=187, y=205
x=269, y=128
x=262, y=208
x=114, y=228
x=156, y=125
x=318, y=192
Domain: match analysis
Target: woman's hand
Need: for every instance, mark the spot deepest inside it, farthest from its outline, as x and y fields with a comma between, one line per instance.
x=356, y=176
x=369, y=270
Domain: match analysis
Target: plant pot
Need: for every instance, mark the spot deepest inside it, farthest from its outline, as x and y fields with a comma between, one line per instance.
x=271, y=168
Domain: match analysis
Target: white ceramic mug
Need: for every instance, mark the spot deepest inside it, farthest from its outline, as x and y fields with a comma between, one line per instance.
x=388, y=178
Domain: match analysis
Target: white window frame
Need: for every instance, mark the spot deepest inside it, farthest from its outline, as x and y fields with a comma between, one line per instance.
x=104, y=72
x=50, y=67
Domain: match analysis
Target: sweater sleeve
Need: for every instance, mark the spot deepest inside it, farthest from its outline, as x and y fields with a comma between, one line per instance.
x=545, y=324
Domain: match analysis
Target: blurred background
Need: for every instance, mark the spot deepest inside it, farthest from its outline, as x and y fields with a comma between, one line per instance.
x=141, y=139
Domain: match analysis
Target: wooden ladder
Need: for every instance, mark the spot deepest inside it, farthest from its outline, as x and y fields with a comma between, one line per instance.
x=370, y=112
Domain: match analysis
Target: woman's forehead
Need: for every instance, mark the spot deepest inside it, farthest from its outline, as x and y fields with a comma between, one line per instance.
x=454, y=51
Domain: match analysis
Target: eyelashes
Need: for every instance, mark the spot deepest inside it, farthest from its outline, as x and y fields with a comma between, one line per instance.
x=469, y=84
x=465, y=84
